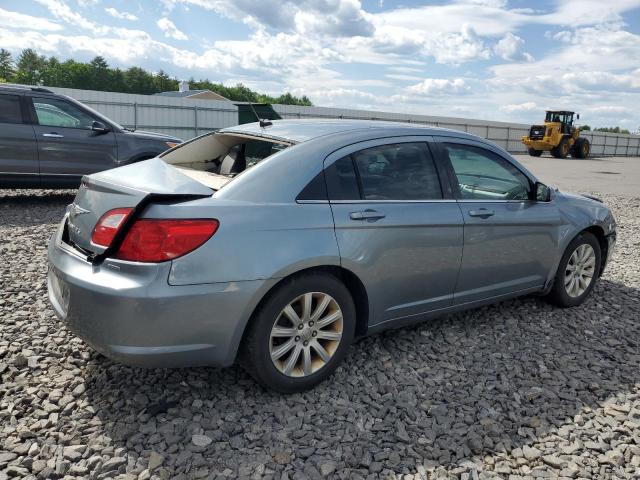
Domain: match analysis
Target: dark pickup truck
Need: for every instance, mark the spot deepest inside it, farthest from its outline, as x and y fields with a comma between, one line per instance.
x=51, y=141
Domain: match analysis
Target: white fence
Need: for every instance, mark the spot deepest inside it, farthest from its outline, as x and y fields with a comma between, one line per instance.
x=182, y=118
x=185, y=118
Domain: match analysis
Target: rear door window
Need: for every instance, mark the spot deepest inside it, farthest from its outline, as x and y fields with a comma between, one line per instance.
x=342, y=182
x=10, y=111
x=403, y=171
x=53, y=112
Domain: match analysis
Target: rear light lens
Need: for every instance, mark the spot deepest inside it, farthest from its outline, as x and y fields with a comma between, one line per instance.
x=108, y=226
x=151, y=240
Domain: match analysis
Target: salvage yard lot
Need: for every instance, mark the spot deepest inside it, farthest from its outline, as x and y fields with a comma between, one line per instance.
x=518, y=389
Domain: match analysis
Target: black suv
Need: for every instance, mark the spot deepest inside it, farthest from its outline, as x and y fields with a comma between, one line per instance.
x=51, y=141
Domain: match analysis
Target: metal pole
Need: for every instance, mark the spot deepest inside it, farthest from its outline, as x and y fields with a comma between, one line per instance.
x=195, y=119
x=135, y=115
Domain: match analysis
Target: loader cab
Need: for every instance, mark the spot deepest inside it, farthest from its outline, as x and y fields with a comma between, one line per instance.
x=563, y=117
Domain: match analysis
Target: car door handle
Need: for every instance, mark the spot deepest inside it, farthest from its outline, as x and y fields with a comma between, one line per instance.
x=52, y=135
x=368, y=215
x=482, y=213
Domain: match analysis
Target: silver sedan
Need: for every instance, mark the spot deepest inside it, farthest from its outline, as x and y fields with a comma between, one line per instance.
x=279, y=243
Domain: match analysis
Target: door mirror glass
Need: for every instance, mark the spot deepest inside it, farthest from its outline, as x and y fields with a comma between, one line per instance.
x=543, y=193
x=99, y=127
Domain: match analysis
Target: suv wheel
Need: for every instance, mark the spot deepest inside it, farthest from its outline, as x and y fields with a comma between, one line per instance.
x=300, y=335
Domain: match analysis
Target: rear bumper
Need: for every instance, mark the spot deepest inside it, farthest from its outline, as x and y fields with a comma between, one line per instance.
x=128, y=311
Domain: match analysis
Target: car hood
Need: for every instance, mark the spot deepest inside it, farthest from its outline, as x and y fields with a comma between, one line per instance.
x=152, y=136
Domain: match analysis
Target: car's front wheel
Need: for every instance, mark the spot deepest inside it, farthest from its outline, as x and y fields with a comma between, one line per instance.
x=577, y=272
x=301, y=333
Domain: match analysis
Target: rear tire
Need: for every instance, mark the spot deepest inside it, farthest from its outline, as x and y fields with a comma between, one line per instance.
x=581, y=148
x=534, y=153
x=562, y=150
x=284, y=357
x=572, y=283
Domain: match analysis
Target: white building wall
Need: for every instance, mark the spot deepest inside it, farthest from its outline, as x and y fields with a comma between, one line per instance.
x=187, y=118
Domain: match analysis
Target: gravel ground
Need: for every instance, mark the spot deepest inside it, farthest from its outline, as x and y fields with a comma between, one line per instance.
x=515, y=390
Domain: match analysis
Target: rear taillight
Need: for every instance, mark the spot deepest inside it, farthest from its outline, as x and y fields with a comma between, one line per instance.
x=151, y=240
x=108, y=225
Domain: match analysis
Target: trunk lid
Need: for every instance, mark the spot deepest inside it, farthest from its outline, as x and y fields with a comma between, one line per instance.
x=134, y=186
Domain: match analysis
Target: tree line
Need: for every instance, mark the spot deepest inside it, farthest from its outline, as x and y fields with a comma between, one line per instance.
x=605, y=129
x=30, y=68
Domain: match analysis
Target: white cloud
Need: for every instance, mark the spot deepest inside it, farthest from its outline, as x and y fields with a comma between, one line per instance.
x=340, y=18
x=592, y=65
x=88, y=3
x=20, y=20
x=520, y=107
x=440, y=86
x=510, y=48
x=170, y=30
x=120, y=15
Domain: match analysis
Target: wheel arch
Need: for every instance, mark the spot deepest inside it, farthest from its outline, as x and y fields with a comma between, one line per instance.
x=348, y=278
x=598, y=232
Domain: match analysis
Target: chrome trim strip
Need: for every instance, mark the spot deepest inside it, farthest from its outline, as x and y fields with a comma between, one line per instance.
x=392, y=201
x=18, y=173
x=63, y=174
x=503, y=201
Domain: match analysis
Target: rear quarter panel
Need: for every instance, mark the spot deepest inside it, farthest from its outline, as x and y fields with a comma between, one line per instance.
x=253, y=241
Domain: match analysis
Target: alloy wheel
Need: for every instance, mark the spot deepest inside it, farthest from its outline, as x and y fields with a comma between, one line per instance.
x=306, y=334
x=580, y=270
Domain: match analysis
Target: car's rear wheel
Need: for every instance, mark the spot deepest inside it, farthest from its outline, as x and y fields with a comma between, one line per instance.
x=301, y=333
x=577, y=272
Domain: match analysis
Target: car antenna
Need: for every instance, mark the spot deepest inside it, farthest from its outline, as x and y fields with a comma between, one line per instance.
x=264, y=122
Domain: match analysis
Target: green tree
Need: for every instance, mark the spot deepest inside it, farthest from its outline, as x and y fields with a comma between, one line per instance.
x=615, y=129
x=7, y=69
x=35, y=69
x=585, y=128
x=30, y=68
x=164, y=83
x=138, y=80
x=100, y=75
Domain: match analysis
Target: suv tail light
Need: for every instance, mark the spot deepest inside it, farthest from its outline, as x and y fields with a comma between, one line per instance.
x=108, y=226
x=155, y=240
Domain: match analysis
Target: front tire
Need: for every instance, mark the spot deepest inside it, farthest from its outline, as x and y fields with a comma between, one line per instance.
x=300, y=334
x=577, y=272
x=562, y=150
x=534, y=153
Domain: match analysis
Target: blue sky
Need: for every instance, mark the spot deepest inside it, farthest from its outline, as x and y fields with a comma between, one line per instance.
x=493, y=59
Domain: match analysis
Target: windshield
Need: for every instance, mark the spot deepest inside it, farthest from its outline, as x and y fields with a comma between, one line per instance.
x=559, y=117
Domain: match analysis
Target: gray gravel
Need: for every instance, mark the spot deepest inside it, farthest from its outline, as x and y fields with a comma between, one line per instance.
x=516, y=390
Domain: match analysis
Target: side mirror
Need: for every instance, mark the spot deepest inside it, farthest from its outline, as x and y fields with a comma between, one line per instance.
x=578, y=117
x=99, y=127
x=543, y=193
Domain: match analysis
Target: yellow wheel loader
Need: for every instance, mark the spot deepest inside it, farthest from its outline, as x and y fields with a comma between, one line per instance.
x=557, y=135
